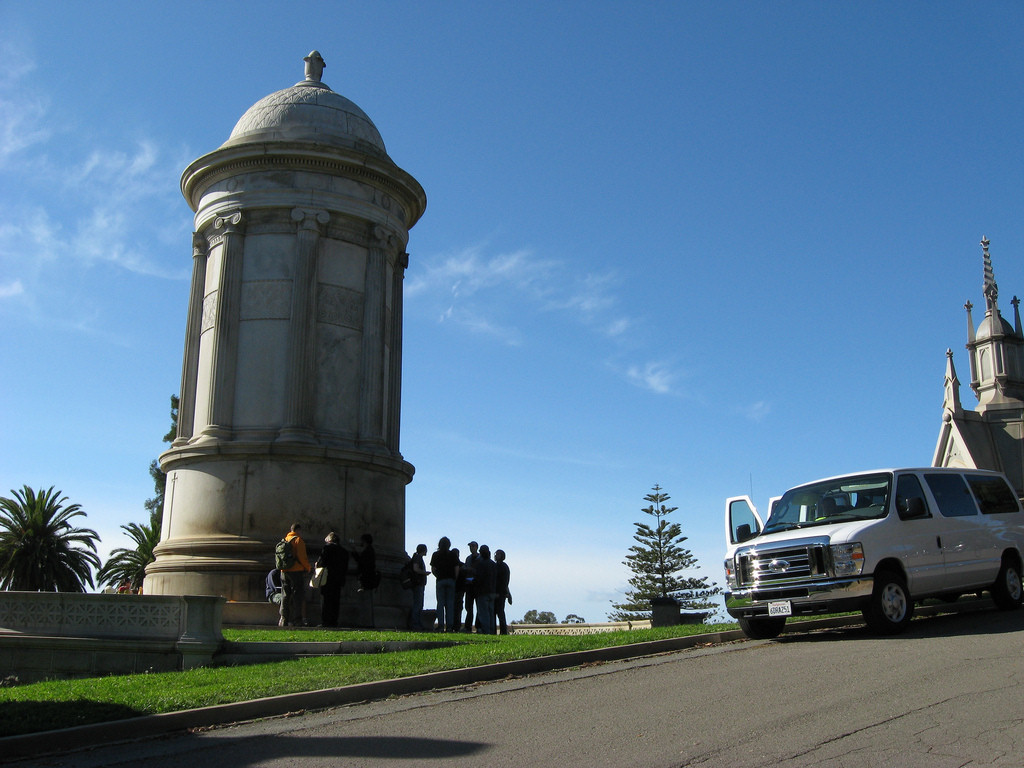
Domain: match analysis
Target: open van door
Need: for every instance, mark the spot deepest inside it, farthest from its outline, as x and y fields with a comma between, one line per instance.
x=741, y=520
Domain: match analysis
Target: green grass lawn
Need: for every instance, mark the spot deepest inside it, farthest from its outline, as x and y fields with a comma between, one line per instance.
x=65, y=703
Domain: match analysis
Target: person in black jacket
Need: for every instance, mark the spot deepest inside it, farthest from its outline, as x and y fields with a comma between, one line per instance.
x=503, y=592
x=366, y=563
x=419, y=584
x=334, y=558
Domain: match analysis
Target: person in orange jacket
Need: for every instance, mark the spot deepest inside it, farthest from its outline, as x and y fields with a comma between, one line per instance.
x=293, y=581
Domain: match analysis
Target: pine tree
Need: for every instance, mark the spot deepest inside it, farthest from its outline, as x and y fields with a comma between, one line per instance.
x=155, y=506
x=656, y=561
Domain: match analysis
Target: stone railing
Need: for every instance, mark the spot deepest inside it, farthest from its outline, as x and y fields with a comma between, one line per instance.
x=60, y=634
x=577, y=629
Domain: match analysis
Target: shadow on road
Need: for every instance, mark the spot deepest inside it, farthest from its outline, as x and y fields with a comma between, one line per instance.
x=972, y=619
x=307, y=745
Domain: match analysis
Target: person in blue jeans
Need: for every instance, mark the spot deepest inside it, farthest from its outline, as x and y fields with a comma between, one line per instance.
x=486, y=590
x=445, y=567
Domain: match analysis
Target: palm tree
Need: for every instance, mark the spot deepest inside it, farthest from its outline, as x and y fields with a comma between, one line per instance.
x=130, y=564
x=40, y=551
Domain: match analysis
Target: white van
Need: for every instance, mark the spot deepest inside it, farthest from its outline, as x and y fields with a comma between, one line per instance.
x=875, y=542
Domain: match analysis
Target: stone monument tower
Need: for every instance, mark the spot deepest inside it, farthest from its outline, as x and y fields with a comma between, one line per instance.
x=291, y=382
x=992, y=435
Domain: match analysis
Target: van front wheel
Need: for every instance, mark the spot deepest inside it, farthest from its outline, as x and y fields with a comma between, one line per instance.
x=1007, y=591
x=762, y=629
x=891, y=607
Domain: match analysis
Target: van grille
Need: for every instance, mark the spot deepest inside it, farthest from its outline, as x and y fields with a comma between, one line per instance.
x=779, y=566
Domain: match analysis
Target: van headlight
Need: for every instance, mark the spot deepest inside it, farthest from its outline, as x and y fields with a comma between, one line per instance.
x=847, y=559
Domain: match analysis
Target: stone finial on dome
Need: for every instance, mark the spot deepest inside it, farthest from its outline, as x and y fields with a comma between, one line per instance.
x=990, y=288
x=314, y=66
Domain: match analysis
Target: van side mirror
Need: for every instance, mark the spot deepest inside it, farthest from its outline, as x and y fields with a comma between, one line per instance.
x=743, y=533
x=912, y=508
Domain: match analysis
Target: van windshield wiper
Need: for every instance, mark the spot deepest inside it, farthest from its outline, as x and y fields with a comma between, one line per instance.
x=782, y=527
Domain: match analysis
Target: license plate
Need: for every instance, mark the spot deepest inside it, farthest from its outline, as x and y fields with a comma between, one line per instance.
x=780, y=608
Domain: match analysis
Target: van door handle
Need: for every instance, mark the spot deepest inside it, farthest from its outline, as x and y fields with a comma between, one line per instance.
x=938, y=541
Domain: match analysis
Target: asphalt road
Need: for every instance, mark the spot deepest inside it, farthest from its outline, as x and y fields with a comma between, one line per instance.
x=947, y=693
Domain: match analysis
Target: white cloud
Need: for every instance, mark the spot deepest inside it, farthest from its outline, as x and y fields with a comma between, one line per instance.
x=655, y=376
x=478, y=289
x=589, y=295
x=618, y=327
x=22, y=110
x=480, y=325
x=469, y=272
x=102, y=214
x=14, y=288
x=758, y=411
x=68, y=207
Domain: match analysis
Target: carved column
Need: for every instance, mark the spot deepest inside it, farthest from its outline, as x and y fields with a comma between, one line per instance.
x=394, y=401
x=225, y=324
x=301, y=374
x=371, y=405
x=193, y=330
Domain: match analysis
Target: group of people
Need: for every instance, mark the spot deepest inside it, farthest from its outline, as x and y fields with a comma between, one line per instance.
x=292, y=580
x=478, y=582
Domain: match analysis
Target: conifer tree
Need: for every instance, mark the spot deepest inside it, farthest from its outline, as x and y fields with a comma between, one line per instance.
x=657, y=560
x=155, y=505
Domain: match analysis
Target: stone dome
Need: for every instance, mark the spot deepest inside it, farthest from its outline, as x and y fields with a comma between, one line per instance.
x=308, y=111
x=994, y=325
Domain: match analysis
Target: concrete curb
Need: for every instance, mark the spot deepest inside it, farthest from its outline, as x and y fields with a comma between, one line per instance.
x=48, y=742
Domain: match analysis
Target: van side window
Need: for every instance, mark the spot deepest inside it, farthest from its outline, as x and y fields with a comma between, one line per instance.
x=951, y=494
x=910, y=501
x=744, y=523
x=993, y=494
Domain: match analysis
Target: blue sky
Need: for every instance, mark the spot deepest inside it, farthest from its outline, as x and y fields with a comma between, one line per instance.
x=721, y=247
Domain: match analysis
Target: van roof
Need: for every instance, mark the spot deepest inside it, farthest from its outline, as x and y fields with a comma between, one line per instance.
x=893, y=470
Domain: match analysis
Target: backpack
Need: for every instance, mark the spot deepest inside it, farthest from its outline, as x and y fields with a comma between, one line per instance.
x=284, y=555
x=405, y=575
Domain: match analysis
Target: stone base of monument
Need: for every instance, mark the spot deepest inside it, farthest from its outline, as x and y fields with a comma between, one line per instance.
x=263, y=614
x=359, y=614
x=57, y=635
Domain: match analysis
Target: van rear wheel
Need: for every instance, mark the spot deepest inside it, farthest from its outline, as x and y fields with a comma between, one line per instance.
x=1007, y=591
x=891, y=607
x=762, y=629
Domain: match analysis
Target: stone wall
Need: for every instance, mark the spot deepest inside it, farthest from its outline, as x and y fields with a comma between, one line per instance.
x=53, y=634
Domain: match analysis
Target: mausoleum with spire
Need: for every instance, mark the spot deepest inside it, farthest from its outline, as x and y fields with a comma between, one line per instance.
x=992, y=435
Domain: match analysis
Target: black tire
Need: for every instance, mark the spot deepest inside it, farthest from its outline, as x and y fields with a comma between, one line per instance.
x=1007, y=591
x=762, y=629
x=891, y=607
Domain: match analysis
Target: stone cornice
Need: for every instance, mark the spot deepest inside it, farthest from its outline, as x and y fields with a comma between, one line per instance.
x=206, y=450
x=276, y=156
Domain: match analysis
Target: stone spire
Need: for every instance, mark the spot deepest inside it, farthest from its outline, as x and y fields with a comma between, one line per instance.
x=996, y=348
x=951, y=386
x=990, y=289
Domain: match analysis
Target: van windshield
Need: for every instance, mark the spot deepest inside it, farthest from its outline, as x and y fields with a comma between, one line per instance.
x=861, y=497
